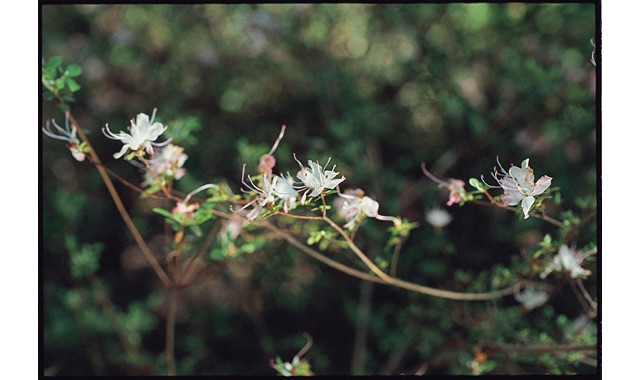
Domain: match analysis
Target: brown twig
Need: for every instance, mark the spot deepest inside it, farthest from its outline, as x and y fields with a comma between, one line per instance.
x=540, y=349
x=120, y=206
x=459, y=296
x=510, y=208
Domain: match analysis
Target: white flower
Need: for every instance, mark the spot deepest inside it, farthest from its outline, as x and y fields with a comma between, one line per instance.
x=316, y=179
x=269, y=190
x=519, y=187
x=284, y=190
x=143, y=133
x=568, y=260
x=531, y=298
x=167, y=164
x=352, y=204
x=438, y=217
x=67, y=134
x=264, y=194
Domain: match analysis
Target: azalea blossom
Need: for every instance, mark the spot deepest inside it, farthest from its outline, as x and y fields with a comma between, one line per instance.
x=352, y=204
x=567, y=260
x=167, y=164
x=264, y=194
x=143, y=134
x=455, y=186
x=531, y=298
x=519, y=187
x=315, y=179
x=67, y=134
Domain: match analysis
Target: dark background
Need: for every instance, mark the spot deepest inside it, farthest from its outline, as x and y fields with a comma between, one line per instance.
x=380, y=89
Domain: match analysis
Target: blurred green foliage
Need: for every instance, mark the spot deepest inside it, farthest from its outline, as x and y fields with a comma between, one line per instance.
x=380, y=89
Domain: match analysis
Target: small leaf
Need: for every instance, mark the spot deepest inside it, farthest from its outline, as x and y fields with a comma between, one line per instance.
x=54, y=62
x=477, y=184
x=59, y=83
x=163, y=212
x=72, y=84
x=196, y=230
x=73, y=70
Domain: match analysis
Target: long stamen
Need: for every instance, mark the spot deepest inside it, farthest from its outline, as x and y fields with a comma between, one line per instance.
x=486, y=184
x=327, y=164
x=431, y=176
x=47, y=131
x=254, y=186
x=66, y=131
x=108, y=133
x=298, y=161
x=164, y=143
x=66, y=120
x=501, y=168
x=242, y=177
x=275, y=145
x=199, y=189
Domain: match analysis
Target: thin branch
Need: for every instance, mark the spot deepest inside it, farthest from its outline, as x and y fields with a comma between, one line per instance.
x=510, y=208
x=393, y=281
x=155, y=176
x=374, y=268
x=129, y=184
x=540, y=349
x=396, y=256
x=121, y=209
x=587, y=296
x=170, y=332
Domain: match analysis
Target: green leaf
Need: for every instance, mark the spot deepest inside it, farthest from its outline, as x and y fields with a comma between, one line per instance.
x=477, y=184
x=72, y=85
x=196, y=230
x=54, y=62
x=73, y=70
x=59, y=83
x=163, y=212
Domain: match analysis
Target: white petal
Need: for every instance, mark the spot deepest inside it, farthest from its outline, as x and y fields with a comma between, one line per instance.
x=121, y=152
x=541, y=185
x=527, y=202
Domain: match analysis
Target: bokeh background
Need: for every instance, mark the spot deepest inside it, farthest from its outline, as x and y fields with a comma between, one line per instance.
x=379, y=89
